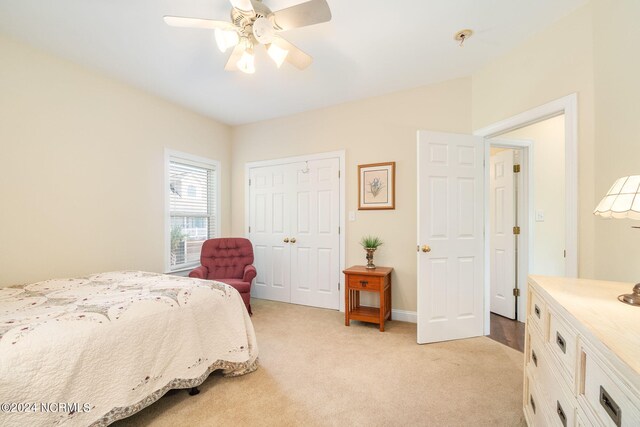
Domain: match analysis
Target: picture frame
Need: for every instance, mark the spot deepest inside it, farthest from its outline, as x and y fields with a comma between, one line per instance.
x=377, y=186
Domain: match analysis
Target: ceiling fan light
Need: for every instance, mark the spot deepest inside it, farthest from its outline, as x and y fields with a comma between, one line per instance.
x=246, y=63
x=226, y=39
x=278, y=54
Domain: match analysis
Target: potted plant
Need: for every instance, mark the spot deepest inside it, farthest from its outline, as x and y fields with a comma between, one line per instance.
x=370, y=244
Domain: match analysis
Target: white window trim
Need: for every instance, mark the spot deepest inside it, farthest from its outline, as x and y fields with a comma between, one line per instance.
x=179, y=155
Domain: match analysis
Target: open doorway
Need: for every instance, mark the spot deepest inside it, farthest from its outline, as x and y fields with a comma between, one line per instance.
x=453, y=242
x=527, y=216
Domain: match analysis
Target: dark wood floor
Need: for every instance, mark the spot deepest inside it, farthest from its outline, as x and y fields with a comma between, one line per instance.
x=508, y=332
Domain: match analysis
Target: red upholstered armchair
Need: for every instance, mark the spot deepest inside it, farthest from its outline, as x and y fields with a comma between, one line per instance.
x=228, y=261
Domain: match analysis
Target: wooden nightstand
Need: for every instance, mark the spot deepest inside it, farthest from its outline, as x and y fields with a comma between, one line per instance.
x=359, y=278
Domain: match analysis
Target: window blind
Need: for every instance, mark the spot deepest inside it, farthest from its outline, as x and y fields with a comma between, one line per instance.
x=192, y=210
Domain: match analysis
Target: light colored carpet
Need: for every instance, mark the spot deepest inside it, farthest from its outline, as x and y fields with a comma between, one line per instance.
x=315, y=371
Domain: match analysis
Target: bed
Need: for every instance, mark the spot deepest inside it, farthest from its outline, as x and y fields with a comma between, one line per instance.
x=96, y=349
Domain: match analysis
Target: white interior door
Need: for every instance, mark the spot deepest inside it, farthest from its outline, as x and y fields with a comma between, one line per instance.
x=450, y=223
x=294, y=218
x=315, y=259
x=269, y=200
x=502, y=211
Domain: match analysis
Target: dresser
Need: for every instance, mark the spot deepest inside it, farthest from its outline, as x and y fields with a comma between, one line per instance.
x=582, y=354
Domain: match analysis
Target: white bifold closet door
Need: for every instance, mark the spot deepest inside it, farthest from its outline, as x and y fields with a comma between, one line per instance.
x=294, y=214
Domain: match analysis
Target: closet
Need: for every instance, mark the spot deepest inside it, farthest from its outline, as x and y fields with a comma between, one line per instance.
x=294, y=220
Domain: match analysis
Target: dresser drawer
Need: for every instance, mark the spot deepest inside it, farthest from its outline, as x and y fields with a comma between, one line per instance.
x=582, y=420
x=604, y=395
x=365, y=282
x=535, y=353
x=534, y=406
x=537, y=311
x=562, y=341
x=558, y=395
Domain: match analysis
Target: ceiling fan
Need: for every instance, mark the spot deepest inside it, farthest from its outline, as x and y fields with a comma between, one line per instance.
x=252, y=24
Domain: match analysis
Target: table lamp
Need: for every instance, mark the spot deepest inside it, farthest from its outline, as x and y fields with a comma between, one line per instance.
x=623, y=201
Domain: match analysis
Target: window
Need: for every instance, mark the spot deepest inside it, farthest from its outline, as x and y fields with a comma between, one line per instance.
x=192, y=201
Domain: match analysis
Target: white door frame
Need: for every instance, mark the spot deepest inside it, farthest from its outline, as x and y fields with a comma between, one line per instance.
x=568, y=106
x=286, y=160
x=526, y=219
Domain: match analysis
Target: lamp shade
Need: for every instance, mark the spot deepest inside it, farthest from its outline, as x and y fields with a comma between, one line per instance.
x=622, y=200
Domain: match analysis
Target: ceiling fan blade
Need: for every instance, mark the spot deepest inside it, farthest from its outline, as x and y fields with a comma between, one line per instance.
x=209, y=24
x=295, y=57
x=243, y=5
x=235, y=57
x=301, y=15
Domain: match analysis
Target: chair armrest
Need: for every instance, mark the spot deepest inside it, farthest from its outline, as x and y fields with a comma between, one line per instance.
x=249, y=273
x=200, y=273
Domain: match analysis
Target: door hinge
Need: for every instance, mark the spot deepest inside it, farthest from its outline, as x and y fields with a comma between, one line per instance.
x=338, y=230
x=338, y=285
x=565, y=253
x=338, y=174
x=249, y=183
x=516, y=230
x=249, y=229
x=516, y=168
x=516, y=292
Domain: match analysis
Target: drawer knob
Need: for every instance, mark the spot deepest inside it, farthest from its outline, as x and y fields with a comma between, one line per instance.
x=364, y=283
x=610, y=406
x=561, y=414
x=537, y=310
x=534, y=357
x=561, y=342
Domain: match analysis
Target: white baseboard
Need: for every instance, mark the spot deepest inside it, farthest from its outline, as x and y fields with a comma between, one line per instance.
x=404, y=316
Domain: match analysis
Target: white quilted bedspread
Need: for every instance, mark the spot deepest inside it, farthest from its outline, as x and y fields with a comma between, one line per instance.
x=96, y=349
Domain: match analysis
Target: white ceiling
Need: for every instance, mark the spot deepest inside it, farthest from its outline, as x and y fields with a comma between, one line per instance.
x=370, y=47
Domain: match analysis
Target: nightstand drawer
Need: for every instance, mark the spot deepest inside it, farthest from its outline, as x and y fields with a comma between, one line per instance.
x=365, y=282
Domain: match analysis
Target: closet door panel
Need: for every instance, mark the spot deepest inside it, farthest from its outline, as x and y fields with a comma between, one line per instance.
x=315, y=258
x=269, y=199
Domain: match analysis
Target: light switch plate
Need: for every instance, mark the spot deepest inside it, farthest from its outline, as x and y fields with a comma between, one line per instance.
x=352, y=216
x=539, y=215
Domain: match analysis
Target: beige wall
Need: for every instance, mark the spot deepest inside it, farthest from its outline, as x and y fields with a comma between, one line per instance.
x=374, y=130
x=553, y=64
x=617, y=130
x=82, y=168
x=549, y=193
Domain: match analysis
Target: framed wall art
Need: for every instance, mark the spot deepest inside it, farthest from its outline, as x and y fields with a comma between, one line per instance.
x=377, y=186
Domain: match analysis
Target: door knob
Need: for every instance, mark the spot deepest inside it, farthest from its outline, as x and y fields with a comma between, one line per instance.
x=286, y=240
x=426, y=248
x=293, y=240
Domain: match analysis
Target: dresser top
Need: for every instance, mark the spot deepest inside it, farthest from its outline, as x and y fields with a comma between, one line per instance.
x=594, y=303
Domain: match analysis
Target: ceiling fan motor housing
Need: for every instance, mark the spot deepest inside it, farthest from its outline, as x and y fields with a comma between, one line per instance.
x=255, y=25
